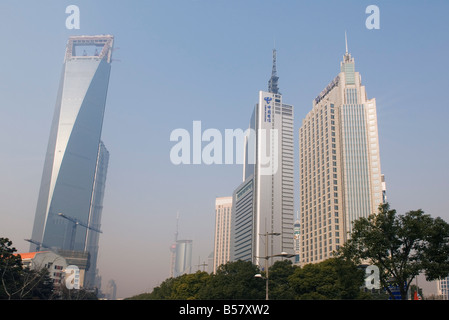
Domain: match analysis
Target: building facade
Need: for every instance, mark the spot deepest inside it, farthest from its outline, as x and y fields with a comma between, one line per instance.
x=339, y=164
x=54, y=263
x=69, y=206
x=297, y=240
x=443, y=288
x=183, y=258
x=263, y=202
x=222, y=240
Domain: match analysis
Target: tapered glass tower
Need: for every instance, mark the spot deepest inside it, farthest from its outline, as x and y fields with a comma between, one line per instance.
x=69, y=206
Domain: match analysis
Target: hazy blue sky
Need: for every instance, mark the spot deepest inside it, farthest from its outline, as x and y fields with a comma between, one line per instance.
x=179, y=61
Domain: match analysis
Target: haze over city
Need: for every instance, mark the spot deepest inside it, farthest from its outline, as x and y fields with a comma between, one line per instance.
x=176, y=62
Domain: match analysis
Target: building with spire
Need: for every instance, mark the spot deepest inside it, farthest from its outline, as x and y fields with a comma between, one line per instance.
x=262, y=205
x=70, y=201
x=181, y=255
x=339, y=164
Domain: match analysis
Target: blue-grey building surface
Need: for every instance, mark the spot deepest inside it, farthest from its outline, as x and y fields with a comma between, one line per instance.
x=69, y=206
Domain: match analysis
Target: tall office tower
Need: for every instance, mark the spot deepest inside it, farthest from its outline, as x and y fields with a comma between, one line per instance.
x=222, y=241
x=69, y=205
x=340, y=176
x=262, y=215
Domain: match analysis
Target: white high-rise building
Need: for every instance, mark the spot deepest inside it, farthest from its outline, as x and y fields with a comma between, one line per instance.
x=339, y=164
x=262, y=215
x=223, y=208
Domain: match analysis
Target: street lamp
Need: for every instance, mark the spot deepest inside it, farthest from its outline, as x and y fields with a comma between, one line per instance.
x=266, y=257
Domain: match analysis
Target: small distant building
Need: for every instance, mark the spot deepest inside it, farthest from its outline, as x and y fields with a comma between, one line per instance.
x=55, y=264
x=111, y=290
x=183, y=260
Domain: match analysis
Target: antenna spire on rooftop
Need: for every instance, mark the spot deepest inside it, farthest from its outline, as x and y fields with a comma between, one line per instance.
x=346, y=42
x=273, y=82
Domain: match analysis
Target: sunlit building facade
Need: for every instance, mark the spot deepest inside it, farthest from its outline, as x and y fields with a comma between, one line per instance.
x=339, y=164
x=263, y=202
x=222, y=240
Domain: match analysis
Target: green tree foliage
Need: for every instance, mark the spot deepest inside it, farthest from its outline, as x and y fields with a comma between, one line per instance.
x=331, y=279
x=235, y=280
x=402, y=246
x=17, y=282
x=10, y=269
x=328, y=280
x=279, y=280
x=184, y=287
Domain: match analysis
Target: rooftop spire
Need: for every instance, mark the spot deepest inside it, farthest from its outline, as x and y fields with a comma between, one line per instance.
x=346, y=42
x=273, y=82
x=347, y=56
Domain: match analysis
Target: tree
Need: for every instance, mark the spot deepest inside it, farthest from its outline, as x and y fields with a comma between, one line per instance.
x=401, y=246
x=279, y=284
x=188, y=286
x=330, y=279
x=18, y=282
x=234, y=280
x=184, y=287
x=10, y=269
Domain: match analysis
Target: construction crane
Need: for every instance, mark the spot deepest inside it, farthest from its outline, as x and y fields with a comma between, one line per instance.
x=76, y=223
x=38, y=244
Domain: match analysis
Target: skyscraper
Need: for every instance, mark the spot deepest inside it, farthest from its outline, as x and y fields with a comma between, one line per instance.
x=263, y=202
x=183, y=259
x=339, y=164
x=222, y=241
x=68, y=212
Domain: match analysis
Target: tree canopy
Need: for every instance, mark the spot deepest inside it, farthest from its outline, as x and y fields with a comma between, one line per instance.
x=401, y=246
x=331, y=279
x=17, y=282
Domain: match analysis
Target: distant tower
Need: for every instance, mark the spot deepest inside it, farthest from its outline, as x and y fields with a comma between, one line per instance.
x=223, y=207
x=181, y=255
x=297, y=236
x=183, y=261
x=173, y=249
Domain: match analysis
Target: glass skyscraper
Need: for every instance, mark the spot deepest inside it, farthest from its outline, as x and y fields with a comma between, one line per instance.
x=339, y=164
x=68, y=212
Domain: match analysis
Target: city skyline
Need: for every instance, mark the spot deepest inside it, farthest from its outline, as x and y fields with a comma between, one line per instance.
x=204, y=61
